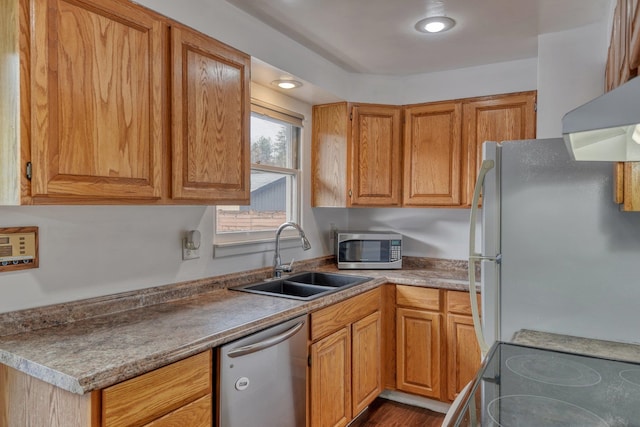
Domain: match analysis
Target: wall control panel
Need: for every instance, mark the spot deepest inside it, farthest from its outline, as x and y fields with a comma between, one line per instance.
x=18, y=248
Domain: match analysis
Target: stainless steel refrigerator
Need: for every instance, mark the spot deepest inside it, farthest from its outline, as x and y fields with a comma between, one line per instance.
x=556, y=253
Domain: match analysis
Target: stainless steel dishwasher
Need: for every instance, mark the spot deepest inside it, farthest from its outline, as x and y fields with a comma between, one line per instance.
x=263, y=378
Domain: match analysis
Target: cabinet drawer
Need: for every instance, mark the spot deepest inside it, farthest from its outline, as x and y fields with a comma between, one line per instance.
x=145, y=398
x=330, y=319
x=417, y=297
x=459, y=302
x=195, y=414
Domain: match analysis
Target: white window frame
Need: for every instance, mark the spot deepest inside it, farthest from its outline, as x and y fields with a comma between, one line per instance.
x=242, y=242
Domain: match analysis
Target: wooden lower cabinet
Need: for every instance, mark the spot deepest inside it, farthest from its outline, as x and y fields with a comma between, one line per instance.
x=194, y=414
x=331, y=380
x=346, y=365
x=28, y=401
x=436, y=346
x=366, y=372
x=418, y=349
x=150, y=396
x=463, y=351
x=179, y=394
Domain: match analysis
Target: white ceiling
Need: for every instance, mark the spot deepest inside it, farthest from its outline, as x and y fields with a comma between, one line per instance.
x=378, y=36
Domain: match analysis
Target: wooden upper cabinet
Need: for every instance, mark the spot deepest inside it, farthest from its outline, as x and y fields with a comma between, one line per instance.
x=432, y=149
x=97, y=100
x=494, y=118
x=356, y=155
x=375, y=156
x=432, y=161
x=94, y=124
x=623, y=62
x=330, y=135
x=633, y=37
x=210, y=119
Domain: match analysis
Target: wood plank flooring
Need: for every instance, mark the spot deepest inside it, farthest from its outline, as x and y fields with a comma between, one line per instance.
x=387, y=413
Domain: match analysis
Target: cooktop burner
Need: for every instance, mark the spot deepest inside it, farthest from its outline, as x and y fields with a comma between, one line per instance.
x=553, y=370
x=507, y=411
x=631, y=376
x=521, y=386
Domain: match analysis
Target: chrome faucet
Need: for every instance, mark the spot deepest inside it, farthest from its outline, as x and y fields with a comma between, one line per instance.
x=278, y=267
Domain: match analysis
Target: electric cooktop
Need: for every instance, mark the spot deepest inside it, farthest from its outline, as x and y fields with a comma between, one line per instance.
x=527, y=386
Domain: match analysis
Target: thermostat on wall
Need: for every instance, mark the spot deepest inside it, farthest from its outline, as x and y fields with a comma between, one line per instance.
x=18, y=248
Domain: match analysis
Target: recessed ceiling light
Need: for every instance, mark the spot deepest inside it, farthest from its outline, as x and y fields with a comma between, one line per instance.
x=286, y=83
x=435, y=24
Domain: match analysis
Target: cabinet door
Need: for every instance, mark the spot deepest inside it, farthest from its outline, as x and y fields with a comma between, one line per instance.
x=375, y=152
x=331, y=380
x=496, y=118
x=210, y=119
x=97, y=105
x=147, y=397
x=366, y=361
x=432, y=150
x=626, y=186
x=195, y=414
x=419, y=352
x=627, y=174
x=329, y=155
x=463, y=353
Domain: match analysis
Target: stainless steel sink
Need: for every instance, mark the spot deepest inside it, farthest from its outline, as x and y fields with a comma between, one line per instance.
x=303, y=286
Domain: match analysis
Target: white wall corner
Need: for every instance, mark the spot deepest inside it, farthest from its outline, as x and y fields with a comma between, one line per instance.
x=571, y=68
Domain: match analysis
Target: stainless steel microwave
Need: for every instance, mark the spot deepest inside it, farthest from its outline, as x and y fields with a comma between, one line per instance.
x=368, y=250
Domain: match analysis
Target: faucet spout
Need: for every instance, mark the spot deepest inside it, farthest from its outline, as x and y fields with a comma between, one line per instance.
x=278, y=267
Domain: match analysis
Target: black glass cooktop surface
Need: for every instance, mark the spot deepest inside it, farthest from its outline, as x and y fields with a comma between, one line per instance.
x=522, y=386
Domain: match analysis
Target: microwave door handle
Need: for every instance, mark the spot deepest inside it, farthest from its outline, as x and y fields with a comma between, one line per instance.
x=487, y=165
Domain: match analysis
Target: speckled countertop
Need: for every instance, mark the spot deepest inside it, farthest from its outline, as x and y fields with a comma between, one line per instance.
x=91, y=344
x=591, y=347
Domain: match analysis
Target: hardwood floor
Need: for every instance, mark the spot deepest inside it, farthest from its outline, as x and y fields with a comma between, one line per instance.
x=387, y=413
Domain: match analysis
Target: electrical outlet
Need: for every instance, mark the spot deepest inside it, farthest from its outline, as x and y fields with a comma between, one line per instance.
x=190, y=253
x=332, y=235
x=191, y=245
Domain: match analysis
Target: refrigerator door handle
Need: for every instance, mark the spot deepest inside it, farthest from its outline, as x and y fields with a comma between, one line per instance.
x=487, y=165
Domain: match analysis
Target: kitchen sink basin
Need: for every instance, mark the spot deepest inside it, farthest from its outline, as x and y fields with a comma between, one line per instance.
x=303, y=286
x=333, y=280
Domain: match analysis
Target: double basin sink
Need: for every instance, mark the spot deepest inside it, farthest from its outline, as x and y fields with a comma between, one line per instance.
x=304, y=286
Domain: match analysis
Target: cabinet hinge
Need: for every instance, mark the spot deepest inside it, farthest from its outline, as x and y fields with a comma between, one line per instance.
x=351, y=116
x=350, y=193
x=29, y=167
x=309, y=360
x=535, y=107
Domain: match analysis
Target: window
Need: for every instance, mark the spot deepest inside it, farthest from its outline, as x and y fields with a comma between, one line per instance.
x=275, y=139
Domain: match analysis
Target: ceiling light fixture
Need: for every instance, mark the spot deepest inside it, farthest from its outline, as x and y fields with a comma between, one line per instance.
x=286, y=83
x=435, y=24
